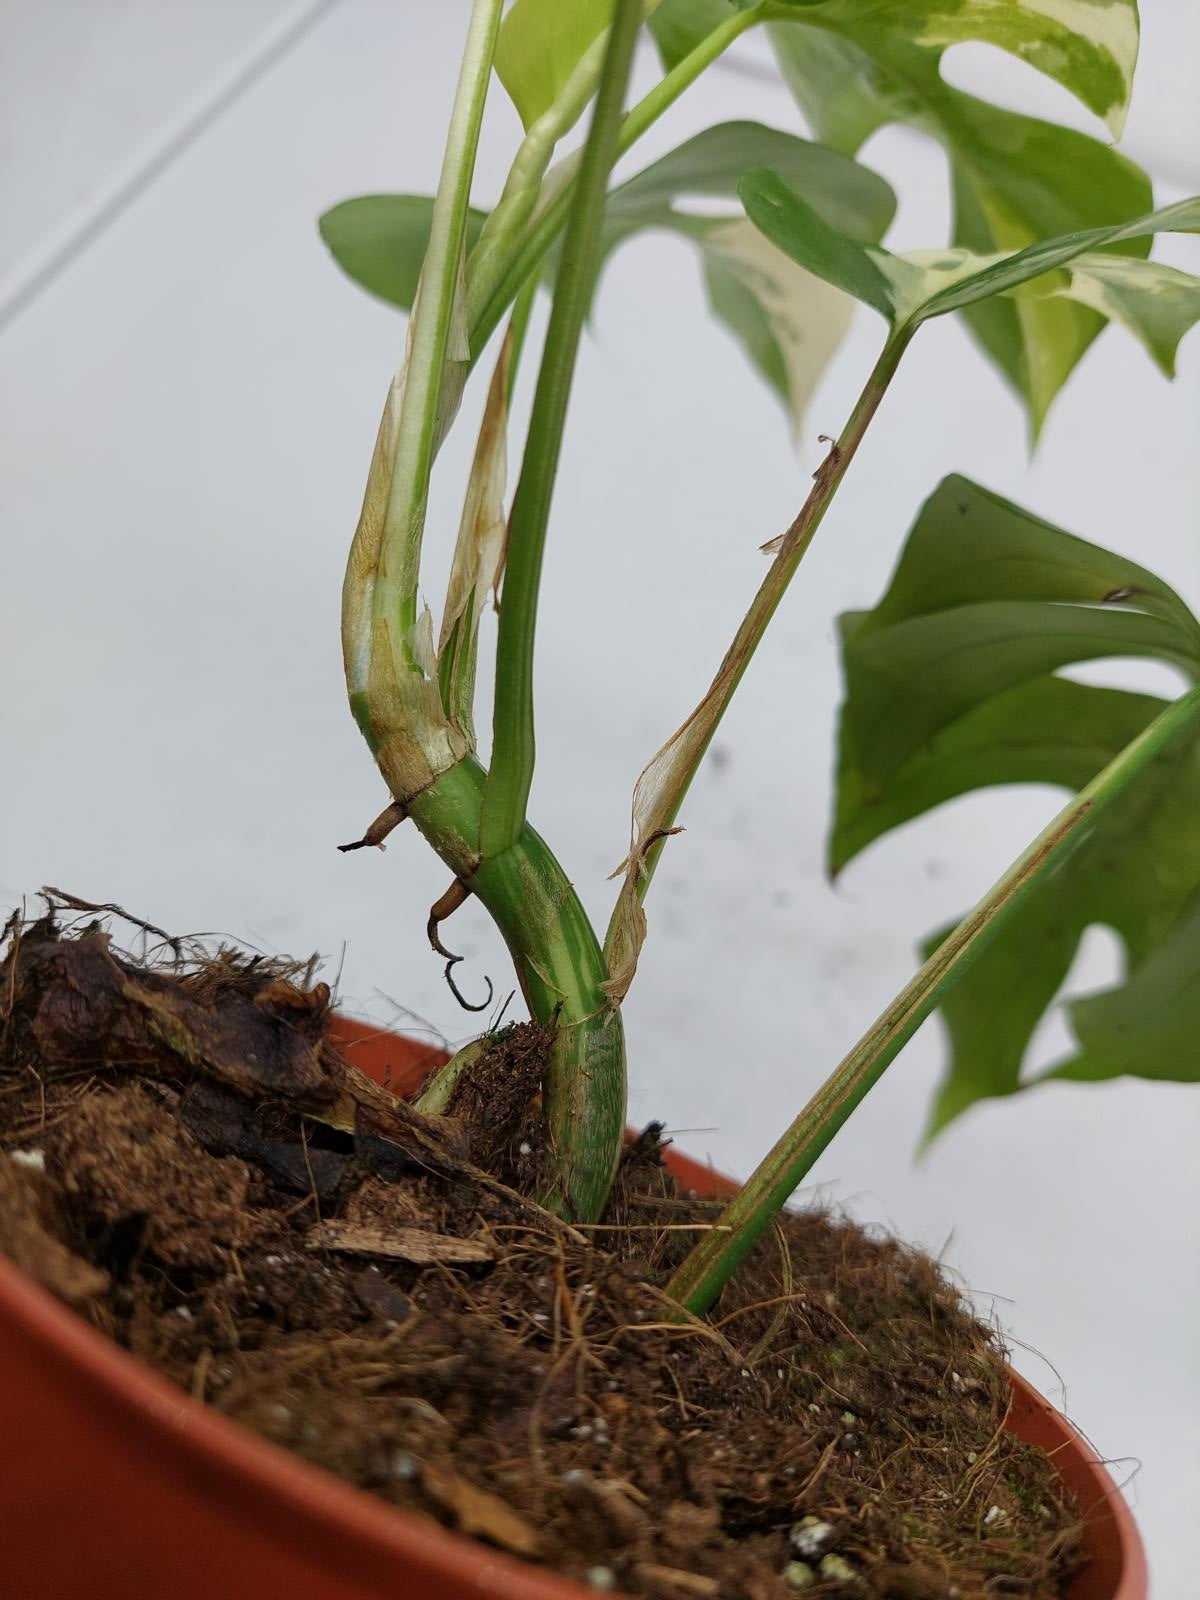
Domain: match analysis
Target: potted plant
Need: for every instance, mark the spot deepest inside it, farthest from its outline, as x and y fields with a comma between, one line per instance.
x=951, y=682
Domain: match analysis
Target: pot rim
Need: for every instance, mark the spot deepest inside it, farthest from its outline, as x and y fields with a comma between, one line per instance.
x=307, y=1504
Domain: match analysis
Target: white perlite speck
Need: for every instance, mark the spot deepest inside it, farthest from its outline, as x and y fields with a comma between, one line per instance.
x=811, y=1537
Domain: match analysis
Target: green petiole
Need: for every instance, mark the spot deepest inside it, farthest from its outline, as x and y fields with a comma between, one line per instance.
x=710, y=1265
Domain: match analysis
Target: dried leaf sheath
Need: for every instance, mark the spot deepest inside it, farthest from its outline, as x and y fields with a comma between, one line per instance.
x=479, y=554
x=662, y=786
x=397, y=706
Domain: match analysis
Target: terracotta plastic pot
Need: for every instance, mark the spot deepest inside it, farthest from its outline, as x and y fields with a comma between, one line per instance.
x=114, y=1485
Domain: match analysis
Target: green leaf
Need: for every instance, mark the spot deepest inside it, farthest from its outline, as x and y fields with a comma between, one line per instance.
x=679, y=26
x=1088, y=46
x=1136, y=873
x=1047, y=730
x=1148, y=1027
x=846, y=195
x=540, y=44
x=379, y=240
x=860, y=65
x=787, y=321
x=991, y=1015
x=1158, y=303
x=909, y=682
x=951, y=687
x=843, y=92
x=1028, y=180
x=969, y=545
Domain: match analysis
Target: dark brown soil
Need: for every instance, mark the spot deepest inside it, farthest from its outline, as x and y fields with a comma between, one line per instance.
x=185, y=1159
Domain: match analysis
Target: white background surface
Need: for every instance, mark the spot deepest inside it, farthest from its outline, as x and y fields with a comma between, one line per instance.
x=189, y=408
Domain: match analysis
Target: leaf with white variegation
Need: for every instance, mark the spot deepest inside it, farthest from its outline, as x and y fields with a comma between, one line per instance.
x=859, y=65
x=785, y=318
x=1157, y=302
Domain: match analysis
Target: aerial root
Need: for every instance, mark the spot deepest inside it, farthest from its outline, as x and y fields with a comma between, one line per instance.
x=442, y=908
x=391, y=817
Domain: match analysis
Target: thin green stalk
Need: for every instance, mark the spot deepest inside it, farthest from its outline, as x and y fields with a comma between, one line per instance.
x=513, y=748
x=514, y=254
x=395, y=590
x=560, y=968
x=695, y=736
x=522, y=186
x=708, y=1268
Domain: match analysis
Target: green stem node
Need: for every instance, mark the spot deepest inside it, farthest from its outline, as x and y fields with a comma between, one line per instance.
x=560, y=968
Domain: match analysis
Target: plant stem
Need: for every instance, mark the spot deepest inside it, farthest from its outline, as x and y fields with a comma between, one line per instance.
x=522, y=186
x=513, y=746
x=708, y=1268
x=514, y=255
x=395, y=594
x=706, y=718
x=560, y=968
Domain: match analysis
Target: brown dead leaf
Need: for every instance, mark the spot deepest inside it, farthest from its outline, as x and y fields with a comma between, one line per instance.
x=478, y=1513
x=416, y=1245
x=674, y=1581
x=93, y=1008
x=482, y=544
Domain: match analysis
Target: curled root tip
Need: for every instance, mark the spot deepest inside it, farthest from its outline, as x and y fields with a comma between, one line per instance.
x=457, y=992
x=431, y=928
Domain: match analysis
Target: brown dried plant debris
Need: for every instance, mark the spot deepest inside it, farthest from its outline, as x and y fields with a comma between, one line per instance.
x=186, y=1160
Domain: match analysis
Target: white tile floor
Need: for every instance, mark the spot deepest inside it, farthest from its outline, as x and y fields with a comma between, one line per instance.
x=190, y=393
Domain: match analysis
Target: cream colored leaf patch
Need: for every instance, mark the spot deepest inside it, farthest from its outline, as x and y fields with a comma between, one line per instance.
x=1156, y=302
x=1089, y=46
x=805, y=318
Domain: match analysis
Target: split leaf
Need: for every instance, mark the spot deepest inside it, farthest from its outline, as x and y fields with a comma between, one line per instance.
x=787, y=320
x=784, y=317
x=906, y=290
x=1149, y=1026
x=952, y=686
x=855, y=66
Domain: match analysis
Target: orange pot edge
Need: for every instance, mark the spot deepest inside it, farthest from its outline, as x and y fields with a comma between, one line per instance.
x=115, y=1485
